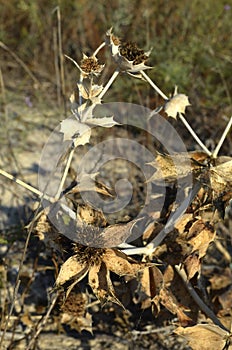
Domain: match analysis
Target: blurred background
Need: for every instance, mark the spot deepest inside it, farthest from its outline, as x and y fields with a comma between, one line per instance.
x=191, y=42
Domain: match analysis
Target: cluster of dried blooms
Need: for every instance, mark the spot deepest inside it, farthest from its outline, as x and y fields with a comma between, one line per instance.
x=162, y=275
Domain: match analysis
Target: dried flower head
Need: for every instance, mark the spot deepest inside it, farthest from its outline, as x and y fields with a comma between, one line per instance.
x=127, y=55
x=90, y=65
x=98, y=263
x=176, y=104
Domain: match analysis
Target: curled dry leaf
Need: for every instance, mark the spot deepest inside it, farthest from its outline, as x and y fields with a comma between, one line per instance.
x=100, y=282
x=89, y=91
x=220, y=177
x=205, y=337
x=121, y=264
x=199, y=236
x=170, y=302
x=71, y=269
x=177, y=166
x=150, y=284
x=114, y=235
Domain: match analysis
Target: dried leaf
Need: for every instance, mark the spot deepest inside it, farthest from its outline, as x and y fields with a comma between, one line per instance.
x=220, y=177
x=73, y=129
x=176, y=166
x=105, y=122
x=151, y=282
x=114, y=235
x=100, y=282
x=192, y=265
x=121, y=264
x=222, y=279
x=225, y=300
x=180, y=224
x=205, y=337
x=169, y=301
x=177, y=104
x=70, y=269
x=88, y=91
x=200, y=235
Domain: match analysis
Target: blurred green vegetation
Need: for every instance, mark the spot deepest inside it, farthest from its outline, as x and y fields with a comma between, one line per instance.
x=191, y=40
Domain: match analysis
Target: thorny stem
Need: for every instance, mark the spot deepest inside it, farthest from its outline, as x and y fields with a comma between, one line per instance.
x=155, y=87
x=198, y=300
x=28, y=187
x=109, y=83
x=65, y=173
x=222, y=139
x=194, y=135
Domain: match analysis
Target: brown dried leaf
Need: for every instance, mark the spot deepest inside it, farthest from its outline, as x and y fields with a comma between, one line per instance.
x=114, y=235
x=70, y=269
x=205, y=337
x=79, y=323
x=220, y=176
x=221, y=280
x=225, y=300
x=192, y=265
x=151, y=282
x=200, y=235
x=180, y=224
x=176, y=166
x=169, y=301
x=121, y=264
x=100, y=282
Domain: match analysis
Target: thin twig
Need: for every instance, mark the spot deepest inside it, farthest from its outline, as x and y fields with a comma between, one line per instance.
x=25, y=185
x=155, y=87
x=99, y=48
x=17, y=59
x=43, y=322
x=56, y=64
x=61, y=56
x=222, y=139
x=16, y=288
x=198, y=300
x=65, y=173
x=194, y=135
x=109, y=83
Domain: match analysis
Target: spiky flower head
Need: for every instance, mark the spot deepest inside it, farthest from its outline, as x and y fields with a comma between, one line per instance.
x=90, y=65
x=127, y=55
